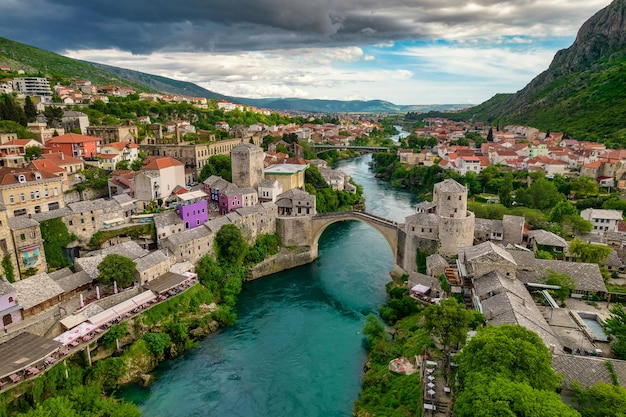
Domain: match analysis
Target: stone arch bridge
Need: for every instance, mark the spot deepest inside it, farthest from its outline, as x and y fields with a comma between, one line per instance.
x=388, y=228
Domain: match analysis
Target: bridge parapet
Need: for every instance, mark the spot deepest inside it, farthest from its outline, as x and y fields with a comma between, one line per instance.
x=388, y=228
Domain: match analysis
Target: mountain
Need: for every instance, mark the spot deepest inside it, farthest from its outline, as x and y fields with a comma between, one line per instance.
x=34, y=60
x=582, y=93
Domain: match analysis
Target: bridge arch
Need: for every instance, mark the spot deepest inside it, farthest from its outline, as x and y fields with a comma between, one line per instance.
x=387, y=228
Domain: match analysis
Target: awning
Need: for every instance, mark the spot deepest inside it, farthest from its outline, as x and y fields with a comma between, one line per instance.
x=73, y=320
x=114, y=221
x=104, y=317
x=143, y=298
x=422, y=289
x=75, y=333
x=125, y=307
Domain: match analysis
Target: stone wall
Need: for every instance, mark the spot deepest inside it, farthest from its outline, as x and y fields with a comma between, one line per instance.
x=294, y=231
x=407, y=249
x=285, y=259
x=88, y=194
x=455, y=233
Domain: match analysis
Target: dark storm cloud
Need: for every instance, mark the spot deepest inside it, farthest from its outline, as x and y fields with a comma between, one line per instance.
x=142, y=26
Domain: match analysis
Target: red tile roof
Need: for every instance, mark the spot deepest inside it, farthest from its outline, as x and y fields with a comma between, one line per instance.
x=10, y=175
x=73, y=138
x=157, y=163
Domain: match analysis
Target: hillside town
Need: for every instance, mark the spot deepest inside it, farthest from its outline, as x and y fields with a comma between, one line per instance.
x=49, y=314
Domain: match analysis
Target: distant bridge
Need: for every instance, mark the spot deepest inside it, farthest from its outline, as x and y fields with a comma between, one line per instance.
x=324, y=148
x=386, y=227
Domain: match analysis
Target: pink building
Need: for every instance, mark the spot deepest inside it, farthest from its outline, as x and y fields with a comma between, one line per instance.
x=10, y=311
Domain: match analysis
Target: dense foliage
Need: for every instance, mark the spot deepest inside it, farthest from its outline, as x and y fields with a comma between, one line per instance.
x=616, y=325
x=329, y=200
x=506, y=371
x=219, y=165
x=116, y=269
x=55, y=237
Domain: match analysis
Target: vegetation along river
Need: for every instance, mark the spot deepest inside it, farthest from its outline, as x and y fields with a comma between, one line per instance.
x=296, y=349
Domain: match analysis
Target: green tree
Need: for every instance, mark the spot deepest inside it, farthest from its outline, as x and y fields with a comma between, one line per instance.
x=542, y=194
x=157, y=342
x=562, y=209
x=448, y=321
x=116, y=268
x=54, y=116
x=29, y=110
x=589, y=252
x=509, y=351
x=230, y=245
x=562, y=280
x=32, y=152
x=584, y=186
x=600, y=400
x=490, y=135
x=487, y=396
x=7, y=268
x=55, y=237
x=506, y=199
x=575, y=225
x=219, y=165
x=616, y=325
x=123, y=165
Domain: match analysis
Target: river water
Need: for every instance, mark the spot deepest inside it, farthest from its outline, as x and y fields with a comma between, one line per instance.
x=296, y=349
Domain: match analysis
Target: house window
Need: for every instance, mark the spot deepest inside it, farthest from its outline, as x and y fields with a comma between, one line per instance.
x=71, y=223
x=37, y=194
x=56, y=191
x=10, y=299
x=32, y=195
x=82, y=221
x=22, y=197
x=22, y=236
x=11, y=199
x=46, y=193
x=448, y=197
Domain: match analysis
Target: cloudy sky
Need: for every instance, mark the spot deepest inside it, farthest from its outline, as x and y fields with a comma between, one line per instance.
x=403, y=51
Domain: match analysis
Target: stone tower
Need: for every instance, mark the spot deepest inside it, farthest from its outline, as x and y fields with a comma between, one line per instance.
x=456, y=224
x=247, y=165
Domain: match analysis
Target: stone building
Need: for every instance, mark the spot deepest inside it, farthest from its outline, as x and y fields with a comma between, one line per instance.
x=247, y=165
x=296, y=202
x=124, y=132
x=6, y=241
x=26, y=191
x=152, y=266
x=443, y=225
x=456, y=224
x=28, y=244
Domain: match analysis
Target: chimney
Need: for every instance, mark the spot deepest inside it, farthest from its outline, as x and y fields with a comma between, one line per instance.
x=61, y=156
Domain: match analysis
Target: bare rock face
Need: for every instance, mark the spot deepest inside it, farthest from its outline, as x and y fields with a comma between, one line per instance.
x=601, y=38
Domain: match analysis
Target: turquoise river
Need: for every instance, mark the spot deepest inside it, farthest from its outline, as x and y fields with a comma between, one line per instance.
x=296, y=349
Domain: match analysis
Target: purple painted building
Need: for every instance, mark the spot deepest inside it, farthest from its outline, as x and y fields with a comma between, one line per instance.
x=10, y=311
x=230, y=199
x=193, y=208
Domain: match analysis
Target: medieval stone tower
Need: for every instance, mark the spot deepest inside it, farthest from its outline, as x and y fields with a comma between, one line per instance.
x=247, y=165
x=456, y=224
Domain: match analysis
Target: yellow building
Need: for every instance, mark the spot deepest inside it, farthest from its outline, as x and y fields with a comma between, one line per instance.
x=25, y=191
x=288, y=175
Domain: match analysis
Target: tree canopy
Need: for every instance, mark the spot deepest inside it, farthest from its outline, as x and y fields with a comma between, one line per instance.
x=589, y=252
x=219, y=165
x=601, y=400
x=512, y=352
x=562, y=280
x=230, y=245
x=448, y=321
x=616, y=325
x=116, y=268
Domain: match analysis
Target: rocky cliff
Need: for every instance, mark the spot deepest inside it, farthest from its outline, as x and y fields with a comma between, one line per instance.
x=582, y=90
